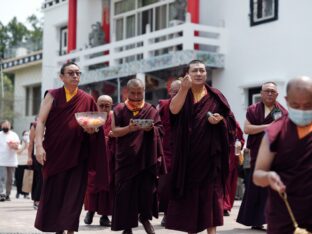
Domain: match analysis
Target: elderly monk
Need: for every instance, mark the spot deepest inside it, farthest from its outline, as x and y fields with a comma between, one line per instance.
x=201, y=126
x=65, y=150
x=231, y=183
x=138, y=152
x=100, y=201
x=284, y=161
x=259, y=117
x=164, y=180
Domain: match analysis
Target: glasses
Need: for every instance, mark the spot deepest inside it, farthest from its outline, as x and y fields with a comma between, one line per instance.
x=72, y=73
x=104, y=106
x=268, y=91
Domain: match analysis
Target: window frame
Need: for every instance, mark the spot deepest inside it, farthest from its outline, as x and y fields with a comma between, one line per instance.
x=264, y=19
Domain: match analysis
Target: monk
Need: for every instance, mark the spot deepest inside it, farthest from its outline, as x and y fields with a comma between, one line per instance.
x=164, y=181
x=259, y=116
x=138, y=152
x=100, y=201
x=65, y=151
x=201, y=124
x=231, y=184
x=284, y=161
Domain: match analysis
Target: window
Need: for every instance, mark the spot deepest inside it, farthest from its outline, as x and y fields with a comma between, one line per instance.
x=254, y=95
x=33, y=100
x=63, y=40
x=263, y=11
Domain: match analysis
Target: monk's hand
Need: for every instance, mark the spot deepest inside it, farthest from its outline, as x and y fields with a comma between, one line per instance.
x=215, y=118
x=40, y=154
x=186, y=82
x=276, y=182
x=132, y=127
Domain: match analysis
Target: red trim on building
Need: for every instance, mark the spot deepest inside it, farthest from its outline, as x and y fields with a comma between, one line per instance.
x=105, y=23
x=193, y=9
x=72, y=25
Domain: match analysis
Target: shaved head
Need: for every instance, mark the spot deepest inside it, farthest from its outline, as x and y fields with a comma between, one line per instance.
x=174, y=87
x=104, y=103
x=135, y=83
x=300, y=84
x=299, y=93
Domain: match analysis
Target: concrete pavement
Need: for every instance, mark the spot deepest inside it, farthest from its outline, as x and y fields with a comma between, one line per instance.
x=17, y=216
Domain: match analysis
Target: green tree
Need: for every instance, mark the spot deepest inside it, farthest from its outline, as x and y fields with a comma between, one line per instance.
x=17, y=33
x=7, y=99
x=36, y=32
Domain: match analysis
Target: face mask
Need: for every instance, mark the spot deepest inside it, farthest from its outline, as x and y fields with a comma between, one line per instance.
x=5, y=130
x=300, y=117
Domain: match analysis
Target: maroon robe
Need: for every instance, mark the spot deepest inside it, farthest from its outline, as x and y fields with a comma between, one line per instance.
x=100, y=201
x=293, y=163
x=201, y=160
x=70, y=153
x=251, y=212
x=136, y=158
x=164, y=180
x=231, y=183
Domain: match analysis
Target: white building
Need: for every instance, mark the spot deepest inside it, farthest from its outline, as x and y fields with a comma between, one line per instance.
x=243, y=43
x=27, y=69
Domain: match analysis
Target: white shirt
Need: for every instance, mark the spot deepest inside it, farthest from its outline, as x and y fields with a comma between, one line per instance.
x=8, y=157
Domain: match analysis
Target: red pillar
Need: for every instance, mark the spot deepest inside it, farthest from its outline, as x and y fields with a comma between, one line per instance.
x=72, y=25
x=105, y=23
x=193, y=9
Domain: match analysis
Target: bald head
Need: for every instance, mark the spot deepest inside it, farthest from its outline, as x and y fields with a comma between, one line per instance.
x=135, y=83
x=104, y=103
x=299, y=93
x=174, y=87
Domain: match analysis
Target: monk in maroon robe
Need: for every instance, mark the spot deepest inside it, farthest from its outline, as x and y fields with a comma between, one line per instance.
x=138, y=152
x=231, y=184
x=284, y=162
x=201, y=122
x=164, y=180
x=101, y=201
x=66, y=151
x=259, y=116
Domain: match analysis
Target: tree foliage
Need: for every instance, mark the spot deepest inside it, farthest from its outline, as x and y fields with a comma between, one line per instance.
x=7, y=99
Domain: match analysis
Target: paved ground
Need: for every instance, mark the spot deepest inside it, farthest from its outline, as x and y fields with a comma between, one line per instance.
x=17, y=216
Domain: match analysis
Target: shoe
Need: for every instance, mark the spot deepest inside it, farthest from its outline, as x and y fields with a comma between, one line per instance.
x=7, y=198
x=26, y=196
x=89, y=217
x=261, y=228
x=17, y=195
x=2, y=197
x=36, y=205
x=147, y=225
x=226, y=213
x=104, y=221
x=163, y=221
x=127, y=231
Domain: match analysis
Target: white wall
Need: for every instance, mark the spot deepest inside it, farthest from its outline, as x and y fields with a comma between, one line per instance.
x=274, y=51
x=54, y=19
x=28, y=76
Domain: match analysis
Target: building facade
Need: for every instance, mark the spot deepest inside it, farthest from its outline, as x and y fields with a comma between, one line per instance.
x=242, y=44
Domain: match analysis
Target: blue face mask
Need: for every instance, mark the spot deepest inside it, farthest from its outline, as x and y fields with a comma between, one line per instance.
x=300, y=117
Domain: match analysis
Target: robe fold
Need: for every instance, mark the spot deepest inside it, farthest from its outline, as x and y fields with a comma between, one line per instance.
x=167, y=142
x=201, y=162
x=70, y=153
x=293, y=163
x=138, y=155
x=95, y=200
x=231, y=183
x=251, y=212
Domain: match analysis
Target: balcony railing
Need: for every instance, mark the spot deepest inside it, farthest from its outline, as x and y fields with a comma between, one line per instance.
x=186, y=36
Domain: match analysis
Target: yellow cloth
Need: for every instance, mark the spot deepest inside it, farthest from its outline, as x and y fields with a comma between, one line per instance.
x=69, y=95
x=199, y=95
x=135, y=107
x=303, y=131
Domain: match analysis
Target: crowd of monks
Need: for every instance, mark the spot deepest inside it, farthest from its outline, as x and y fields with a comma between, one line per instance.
x=184, y=164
